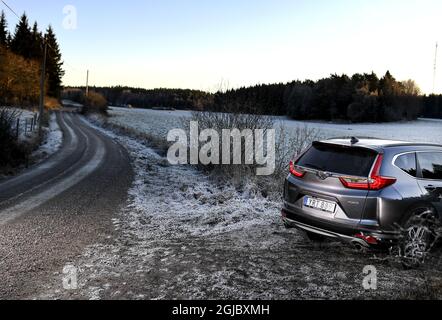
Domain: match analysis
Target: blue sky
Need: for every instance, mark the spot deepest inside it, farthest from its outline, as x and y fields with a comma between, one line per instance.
x=199, y=44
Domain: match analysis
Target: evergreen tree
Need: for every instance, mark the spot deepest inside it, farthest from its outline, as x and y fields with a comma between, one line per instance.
x=388, y=85
x=3, y=29
x=9, y=39
x=36, y=44
x=53, y=64
x=22, y=41
x=373, y=82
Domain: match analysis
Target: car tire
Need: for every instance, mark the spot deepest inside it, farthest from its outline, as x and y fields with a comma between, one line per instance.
x=417, y=237
x=314, y=237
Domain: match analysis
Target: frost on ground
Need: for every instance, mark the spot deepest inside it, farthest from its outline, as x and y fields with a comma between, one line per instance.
x=25, y=117
x=37, y=149
x=52, y=140
x=159, y=122
x=184, y=237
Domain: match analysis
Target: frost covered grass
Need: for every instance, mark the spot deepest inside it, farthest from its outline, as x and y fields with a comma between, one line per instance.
x=160, y=122
x=165, y=193
x=29, y=147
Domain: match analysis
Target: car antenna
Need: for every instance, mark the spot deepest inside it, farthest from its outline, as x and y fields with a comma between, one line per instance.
x=354, y=140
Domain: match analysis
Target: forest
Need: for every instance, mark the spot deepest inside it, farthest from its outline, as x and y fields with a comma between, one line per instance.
x=339, y=98
x=20, y=63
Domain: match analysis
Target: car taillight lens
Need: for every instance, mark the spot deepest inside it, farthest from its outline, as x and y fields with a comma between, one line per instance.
x=375, y=182
x=378, y=182
x=355, y=183
x=295, y=171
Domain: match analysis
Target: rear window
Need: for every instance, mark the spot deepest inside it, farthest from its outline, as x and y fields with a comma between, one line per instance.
x=338, y=159
x=431, y=165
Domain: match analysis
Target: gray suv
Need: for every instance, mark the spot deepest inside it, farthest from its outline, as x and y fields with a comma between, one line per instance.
x=365, y=192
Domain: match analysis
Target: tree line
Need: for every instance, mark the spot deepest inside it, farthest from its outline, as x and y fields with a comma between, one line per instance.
x=146, y=98
x=359, y=98
x=432, y=107
x=21, y=55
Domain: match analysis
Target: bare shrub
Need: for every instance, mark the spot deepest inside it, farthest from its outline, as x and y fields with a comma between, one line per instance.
x=287, y=147
x=95, y=102
x=11, y=152
x=218, y=121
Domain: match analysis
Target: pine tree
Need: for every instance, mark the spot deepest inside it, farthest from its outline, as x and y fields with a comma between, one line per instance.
x=36, y=44
x=3, y=29
x=9, y=39
x=54, y=64
x=22, y=41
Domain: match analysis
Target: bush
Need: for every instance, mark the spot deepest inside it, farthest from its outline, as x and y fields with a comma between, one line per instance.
x=11, y=152
x=95, y=103
x=232, y=120
x=287, y=146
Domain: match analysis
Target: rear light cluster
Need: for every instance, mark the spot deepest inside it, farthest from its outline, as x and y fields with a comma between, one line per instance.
x=296, y=171
x=374, y=182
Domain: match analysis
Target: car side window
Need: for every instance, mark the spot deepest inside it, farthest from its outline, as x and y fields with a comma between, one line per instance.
x=407, y=163
x=431, y=165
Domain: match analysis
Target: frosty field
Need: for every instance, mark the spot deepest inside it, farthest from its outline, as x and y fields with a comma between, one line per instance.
x=160, y=122
x=182, y=236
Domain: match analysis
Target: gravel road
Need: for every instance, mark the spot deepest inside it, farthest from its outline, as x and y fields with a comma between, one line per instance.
x=52, y=211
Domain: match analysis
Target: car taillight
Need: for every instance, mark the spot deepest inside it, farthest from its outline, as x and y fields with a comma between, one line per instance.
x=374, y=182
x=295, y=171
x=378, y=182
x=355, y=183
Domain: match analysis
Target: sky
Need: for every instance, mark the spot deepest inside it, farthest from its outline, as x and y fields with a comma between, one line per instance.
x=209, y=44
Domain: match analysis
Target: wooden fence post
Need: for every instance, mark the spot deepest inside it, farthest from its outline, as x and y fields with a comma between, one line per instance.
x=18, y=129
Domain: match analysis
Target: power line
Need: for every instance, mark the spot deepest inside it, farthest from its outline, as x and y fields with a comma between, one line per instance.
x=18, y=17
x=12, y=10
x=43, y=38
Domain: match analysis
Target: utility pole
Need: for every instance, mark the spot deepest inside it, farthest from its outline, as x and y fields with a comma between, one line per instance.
x=87, y=83
x=435, y=68
x=42, y=89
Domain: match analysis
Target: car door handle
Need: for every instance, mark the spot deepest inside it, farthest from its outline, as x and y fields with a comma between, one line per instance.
x=430, y=188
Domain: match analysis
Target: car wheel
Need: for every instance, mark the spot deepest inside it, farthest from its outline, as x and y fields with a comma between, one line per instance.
x=418, y=238
x=314, y=237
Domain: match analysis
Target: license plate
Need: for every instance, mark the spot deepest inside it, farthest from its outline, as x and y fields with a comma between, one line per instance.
x=318, y=204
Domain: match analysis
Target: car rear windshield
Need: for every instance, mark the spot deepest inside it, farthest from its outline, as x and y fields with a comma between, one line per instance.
x=350, y=161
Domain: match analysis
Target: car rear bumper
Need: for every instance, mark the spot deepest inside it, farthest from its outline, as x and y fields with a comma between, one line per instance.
x=353, y=234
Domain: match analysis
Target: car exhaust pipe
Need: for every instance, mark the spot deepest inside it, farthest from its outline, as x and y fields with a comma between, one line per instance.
x=359, y=244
